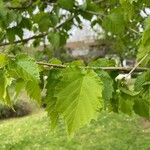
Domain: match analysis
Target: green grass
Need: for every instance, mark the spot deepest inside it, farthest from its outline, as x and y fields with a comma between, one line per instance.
x=110, y=132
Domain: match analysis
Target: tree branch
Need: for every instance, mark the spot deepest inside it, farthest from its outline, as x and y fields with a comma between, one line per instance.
x=25, y=40
x=37, y=36
x=124, y=69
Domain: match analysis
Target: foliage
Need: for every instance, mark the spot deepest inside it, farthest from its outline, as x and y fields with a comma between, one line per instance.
x=74, y=92
x=20, y=108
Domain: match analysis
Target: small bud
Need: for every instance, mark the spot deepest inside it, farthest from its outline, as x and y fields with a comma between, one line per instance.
x=123, y=76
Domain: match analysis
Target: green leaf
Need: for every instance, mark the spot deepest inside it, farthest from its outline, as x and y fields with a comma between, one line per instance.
x=104, y=76
x=54, y=39
x=129, y=10
x=12, y=32
x=91, y=6
x=130, y=1
x=55, y=61
x=5, y=82
x=114, y=22
x=68, y=5
x=3, y=11
x=126, y=105
x=79, y=97
x=142, y=82
x=52, y=82
x=3, y=60
x=102, y=62
x=25, y=67
x=54, y=19
x=138, y=85
x=20, y=84
x=108, y=85
x=25, y=23
x=43, y=20
x=145, y=40
x=126, y=101
x=142, y=108
x=33, y=90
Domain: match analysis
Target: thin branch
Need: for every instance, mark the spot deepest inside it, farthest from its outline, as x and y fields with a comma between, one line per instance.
x=94, y=13
x=25, y=40
x=51, y=65
x=133, y=30
x=37, y=36
x=136, y=66
x=121, y=69
x=124, y=69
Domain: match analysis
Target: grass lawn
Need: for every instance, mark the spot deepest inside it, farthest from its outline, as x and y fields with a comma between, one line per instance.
x=110, y=132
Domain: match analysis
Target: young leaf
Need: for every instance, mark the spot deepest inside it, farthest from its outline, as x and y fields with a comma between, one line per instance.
x=104, y=76
x=5, y=82
x=33, y=90
x=20, y=84
x=25, y=67
x=54, y=39
x=3, y=60
x=142, y=108
x=114, y=22
x=79, y=97
x=126, y=101
x=68, y=5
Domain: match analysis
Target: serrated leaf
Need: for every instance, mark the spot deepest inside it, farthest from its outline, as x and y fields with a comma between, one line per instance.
x=55, y=61
x=79, y=97
x=68, y=5
x=126, y=101
x=126, y=106
x=3, y=60
x=139, y=82
x=91, y=6
x=5, y=82
x=33, y=90
x=25, y=23
x=108, y=84
x=142, y=108
x=144, y=47
x=52, y=82
x=54, y=39
x=25, y=67
x=43, y=20
x=12, y=32
x=114, y=22
x=142, y=82
x=102, y=62
x=128, y=9
x=20, y=84
x=130, y=1
x=104, y=76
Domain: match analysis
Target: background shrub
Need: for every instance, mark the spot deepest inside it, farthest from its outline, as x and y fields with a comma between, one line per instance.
x=19, y=109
